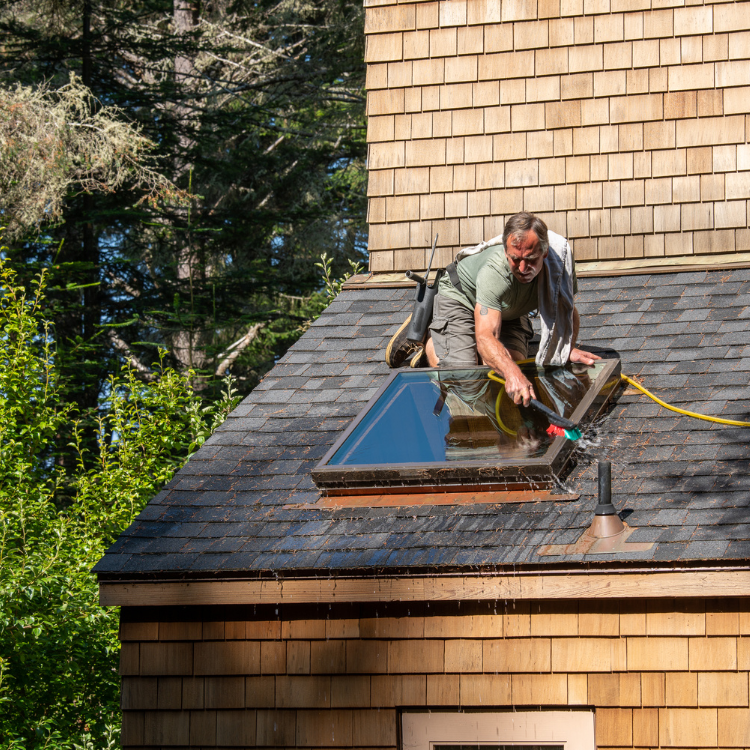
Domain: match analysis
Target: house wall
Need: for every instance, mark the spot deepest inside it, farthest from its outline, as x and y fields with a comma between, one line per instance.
x=623, y=123
x=658, y=674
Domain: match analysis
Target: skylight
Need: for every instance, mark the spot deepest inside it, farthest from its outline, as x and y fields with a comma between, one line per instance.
x=455, y=429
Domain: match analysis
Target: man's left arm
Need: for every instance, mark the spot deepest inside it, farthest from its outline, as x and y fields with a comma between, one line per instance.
x=579, y=355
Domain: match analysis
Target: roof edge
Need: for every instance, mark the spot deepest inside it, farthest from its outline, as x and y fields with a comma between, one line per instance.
x=586, y=268
x=561, y=584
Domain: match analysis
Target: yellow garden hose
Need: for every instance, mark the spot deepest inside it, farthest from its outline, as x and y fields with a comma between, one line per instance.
x=692, y=414
x=500, y=422
x=492, y=376
x=736, y=423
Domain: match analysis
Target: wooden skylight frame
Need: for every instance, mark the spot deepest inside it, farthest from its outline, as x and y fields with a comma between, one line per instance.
x=531, y=473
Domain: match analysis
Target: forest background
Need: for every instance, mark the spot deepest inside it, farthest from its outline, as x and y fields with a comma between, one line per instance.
x=171, y=172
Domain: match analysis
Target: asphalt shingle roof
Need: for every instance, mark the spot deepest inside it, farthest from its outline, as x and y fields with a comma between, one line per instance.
x=684, y=483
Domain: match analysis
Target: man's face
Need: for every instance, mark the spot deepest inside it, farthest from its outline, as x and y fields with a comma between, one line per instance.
x=525, y=257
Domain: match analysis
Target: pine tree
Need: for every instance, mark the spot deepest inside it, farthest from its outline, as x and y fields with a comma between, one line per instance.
x=257, y=110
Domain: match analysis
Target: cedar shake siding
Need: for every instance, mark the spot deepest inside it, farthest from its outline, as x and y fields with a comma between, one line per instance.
x=670, y=673
x=623, y=123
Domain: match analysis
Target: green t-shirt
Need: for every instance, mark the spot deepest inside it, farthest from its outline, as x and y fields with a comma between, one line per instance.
x=487, y=280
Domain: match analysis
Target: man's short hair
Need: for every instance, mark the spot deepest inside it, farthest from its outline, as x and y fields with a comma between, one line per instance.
x=519, y=224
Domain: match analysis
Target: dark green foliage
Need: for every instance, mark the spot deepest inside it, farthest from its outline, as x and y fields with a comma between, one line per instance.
x=59, y=685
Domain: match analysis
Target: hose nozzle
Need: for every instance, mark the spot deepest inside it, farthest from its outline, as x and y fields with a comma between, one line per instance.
x=555, y=431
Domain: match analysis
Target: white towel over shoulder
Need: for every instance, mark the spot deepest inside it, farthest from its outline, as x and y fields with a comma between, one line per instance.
x=556, y=303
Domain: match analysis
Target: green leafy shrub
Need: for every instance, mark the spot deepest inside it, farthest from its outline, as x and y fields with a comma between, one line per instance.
x=333, y=285
x=59, y=684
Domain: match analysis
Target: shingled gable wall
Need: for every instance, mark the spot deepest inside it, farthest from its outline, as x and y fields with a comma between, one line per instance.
x=658, y=674
x=623, y=123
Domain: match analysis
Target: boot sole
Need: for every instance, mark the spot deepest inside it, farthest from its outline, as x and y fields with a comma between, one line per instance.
x=389, y=348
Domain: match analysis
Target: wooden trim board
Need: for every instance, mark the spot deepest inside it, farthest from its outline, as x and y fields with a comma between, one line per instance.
x=564, y=585
x=585, y=269
x=408, y=499
x=719, y=262
x=378, y=281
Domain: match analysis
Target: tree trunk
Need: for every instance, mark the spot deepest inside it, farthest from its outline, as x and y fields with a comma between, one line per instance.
x=91, y=312
x=187, y=344
x=91, y=294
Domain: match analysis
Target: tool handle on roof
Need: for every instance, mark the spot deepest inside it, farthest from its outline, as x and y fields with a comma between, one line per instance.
x=553, y=416
x=423, y=301
x=432, y=256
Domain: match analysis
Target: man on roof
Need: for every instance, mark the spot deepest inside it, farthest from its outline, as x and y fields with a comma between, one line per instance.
x=481, y=311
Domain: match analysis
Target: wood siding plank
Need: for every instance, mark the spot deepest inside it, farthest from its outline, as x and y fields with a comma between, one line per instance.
x=228, y=658
x=685, y=727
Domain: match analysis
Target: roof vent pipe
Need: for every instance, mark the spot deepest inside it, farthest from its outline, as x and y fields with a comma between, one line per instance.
x=606, y=521
x=607, y=534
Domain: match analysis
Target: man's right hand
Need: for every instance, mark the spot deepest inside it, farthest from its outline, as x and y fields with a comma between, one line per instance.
x=487, y=325
x=517, y=386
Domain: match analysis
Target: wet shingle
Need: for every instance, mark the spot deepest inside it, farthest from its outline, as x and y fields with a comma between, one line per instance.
x=682, y=483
